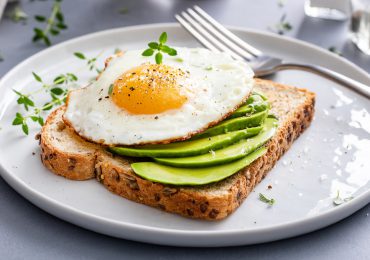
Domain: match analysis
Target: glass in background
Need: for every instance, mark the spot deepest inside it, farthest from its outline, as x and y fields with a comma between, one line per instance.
x=328, y=9
x=360, y=26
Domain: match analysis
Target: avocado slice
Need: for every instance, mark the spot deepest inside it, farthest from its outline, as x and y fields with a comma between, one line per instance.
x=187, y=148
x=227, y=154
x=255, y=103
x=242, y=111
x=189, y=176
x=234, y=124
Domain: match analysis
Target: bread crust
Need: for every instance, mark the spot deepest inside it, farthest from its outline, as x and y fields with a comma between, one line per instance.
x=71, y=165
x=210, y=202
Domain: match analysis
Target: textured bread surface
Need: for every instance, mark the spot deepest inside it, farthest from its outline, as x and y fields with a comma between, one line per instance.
x=66, y=154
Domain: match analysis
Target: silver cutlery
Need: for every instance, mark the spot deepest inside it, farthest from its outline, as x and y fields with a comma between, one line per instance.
x=214, y=36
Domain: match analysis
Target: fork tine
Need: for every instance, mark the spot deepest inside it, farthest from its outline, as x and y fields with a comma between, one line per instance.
x=211, y=39
x=220, y=36
x=255, y=52
x=192, y=31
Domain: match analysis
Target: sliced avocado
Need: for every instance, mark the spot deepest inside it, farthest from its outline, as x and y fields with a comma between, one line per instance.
x=189, y=176
x=234, y=124
x=187, y=148
x=242, y=111
x=260, y=94
x=227, y=154
x=255, y=103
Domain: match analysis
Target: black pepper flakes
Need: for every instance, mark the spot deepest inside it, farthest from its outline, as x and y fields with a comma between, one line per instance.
x=156, y=117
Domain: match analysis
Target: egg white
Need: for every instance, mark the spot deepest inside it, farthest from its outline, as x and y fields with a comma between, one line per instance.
x=217, y=83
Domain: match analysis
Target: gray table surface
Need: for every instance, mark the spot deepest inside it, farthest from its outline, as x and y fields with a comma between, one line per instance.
x=26, y=232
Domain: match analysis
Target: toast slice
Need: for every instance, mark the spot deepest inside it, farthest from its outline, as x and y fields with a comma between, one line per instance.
x=68, y=155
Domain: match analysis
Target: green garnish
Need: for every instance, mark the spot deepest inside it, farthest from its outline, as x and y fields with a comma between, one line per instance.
x=58, y=92
x=159, y=48
x=91, y=62
x=264, y=199
x=54, y=24
x=208, y=68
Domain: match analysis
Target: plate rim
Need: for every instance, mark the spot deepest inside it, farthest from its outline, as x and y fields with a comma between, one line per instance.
x=56, y=208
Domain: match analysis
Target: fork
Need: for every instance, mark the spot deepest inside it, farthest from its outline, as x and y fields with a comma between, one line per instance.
x=214, y=36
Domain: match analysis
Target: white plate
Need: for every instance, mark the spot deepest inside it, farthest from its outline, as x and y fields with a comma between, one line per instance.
x=333, y=154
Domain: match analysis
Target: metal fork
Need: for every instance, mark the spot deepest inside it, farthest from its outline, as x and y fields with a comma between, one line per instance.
x=217, y=38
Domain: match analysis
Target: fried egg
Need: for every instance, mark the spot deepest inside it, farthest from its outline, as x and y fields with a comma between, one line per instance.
x=135, y=101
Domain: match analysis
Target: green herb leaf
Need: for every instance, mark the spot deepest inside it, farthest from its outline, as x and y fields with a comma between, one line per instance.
x=59, y=80
x=62, y=26
x=40, y=18
x=172, y=52
x=47, y=106
x=264, y=199
x=34, y=118
x=57, y=91
x=46, y=40
x=17, y=121
x=37, y=77
x=165, y=48
x=25, y=128
x=168, y=50
x=54, y=32
x=60, y=17
x=158, y=58
x=163, y=38
x=40, y=121
x=72, y=76
x=148, y=52
x=79, y=55
x=110, y=90
x=208, y=68
x=153, y=45
x=28, y=101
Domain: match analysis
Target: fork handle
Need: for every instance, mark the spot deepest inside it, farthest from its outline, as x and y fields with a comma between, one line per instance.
x=329, y=74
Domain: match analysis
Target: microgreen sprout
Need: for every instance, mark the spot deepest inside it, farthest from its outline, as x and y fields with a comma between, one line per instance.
x=159, y=48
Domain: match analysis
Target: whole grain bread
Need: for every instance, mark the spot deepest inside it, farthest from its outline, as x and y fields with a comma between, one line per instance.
x=68, y=155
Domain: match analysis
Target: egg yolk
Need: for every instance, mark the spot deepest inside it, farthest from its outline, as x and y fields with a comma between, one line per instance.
x=150, y=89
